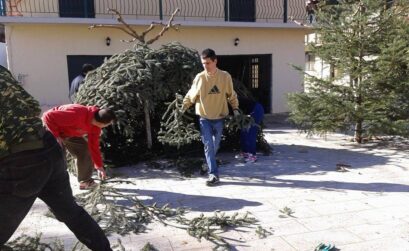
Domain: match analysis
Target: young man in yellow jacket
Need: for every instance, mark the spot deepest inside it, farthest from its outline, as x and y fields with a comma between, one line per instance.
x=211, y=91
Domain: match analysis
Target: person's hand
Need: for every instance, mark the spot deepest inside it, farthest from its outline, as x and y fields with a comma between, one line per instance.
x=101, y=173
x=236, y=112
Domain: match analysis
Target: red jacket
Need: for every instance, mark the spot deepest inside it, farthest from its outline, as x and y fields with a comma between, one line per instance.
x=74, y=120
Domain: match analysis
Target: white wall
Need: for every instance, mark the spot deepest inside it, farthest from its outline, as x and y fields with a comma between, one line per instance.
x=39, y=52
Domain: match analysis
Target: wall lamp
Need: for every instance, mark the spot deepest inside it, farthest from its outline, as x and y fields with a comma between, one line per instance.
x=236, y=41
x=108, y=41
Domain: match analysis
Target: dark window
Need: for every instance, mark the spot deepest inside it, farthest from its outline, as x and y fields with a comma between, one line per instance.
x=335, y=72
x=309, y=61
x=77, y=8
x=331, y=71
x=240, y=10
x=254, y=73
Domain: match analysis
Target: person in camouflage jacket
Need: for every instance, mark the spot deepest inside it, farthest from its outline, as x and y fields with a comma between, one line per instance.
x=32, y=166
x=19, y=112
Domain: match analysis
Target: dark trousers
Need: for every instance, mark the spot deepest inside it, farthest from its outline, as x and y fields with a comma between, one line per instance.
x=248, y=138
x=42, y=173
x=78, y=147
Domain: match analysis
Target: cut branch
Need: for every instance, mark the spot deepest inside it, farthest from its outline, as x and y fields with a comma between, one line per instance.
x=110, y=27
x=125, y=27
x=165, y=27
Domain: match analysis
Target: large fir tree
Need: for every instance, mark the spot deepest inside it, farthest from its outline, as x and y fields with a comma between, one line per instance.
x=367, y=42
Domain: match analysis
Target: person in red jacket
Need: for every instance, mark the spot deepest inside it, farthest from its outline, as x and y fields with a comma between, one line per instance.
x=70, y=124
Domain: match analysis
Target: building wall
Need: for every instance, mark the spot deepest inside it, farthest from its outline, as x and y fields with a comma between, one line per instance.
x=38, y=53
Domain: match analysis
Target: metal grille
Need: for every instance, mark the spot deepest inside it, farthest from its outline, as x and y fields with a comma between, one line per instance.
x=190, y=10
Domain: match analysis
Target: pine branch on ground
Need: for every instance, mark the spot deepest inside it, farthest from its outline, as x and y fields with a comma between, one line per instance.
x=149, y=247
x=29, y=243
x=122, y=213
x=209, y=227
x=263, y=233
x=286, y=212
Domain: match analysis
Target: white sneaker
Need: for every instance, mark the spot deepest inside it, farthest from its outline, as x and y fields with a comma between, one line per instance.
x=212, y=180
x=241, y=155
x=251, y=158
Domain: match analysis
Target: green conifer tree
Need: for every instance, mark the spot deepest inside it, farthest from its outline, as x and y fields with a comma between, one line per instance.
x=366, y=41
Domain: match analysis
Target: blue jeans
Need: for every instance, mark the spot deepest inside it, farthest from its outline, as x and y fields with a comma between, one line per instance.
x=42, y=173
x=211, y=131
x=248, y=138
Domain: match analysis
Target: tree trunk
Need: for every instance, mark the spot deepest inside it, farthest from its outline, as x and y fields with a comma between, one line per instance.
x=358, y=131
x=359, y=99
x=148, y=125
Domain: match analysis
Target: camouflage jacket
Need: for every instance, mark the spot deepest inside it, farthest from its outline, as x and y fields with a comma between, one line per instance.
x=19, y=112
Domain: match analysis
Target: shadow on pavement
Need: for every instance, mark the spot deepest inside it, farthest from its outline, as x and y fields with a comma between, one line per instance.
x=200, y=203
x=324, y=185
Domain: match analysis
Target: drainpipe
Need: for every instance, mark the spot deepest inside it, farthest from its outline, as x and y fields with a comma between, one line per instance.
x=160, y=10
x=85, y=8
x=226, y=10
x=285, y=14
x=8, y=34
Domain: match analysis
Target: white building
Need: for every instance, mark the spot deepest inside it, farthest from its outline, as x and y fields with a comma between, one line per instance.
x=48, y=41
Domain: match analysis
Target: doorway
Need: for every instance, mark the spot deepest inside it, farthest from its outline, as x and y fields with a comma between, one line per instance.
x=254, y=71
x=75, y=63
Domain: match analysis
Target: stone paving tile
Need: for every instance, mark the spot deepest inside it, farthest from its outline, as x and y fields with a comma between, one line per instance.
x=262, y=207
x=302, y=212
x=406, y=219
x=162, y=237
x=395, y=228
x=308, y=241
x=386, y=244
x=384, y=214
x=261, y=192
x=298, y=200
x=332, y=221
x=267, y=244
x=69, y=241
x=283, y=226
x=183, y=241
x=210, y=203
x=341, y=195
x=186, y=188
x=160, y=243
x=198, y=246
x=339, y=207
x=386, y=200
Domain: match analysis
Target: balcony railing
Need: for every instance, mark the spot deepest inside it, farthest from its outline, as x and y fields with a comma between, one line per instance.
x=190, y=10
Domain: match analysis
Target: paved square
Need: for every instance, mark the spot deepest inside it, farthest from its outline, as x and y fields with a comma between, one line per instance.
x=366, y=208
